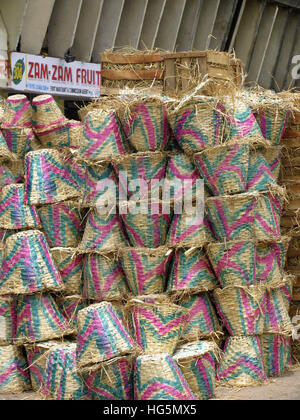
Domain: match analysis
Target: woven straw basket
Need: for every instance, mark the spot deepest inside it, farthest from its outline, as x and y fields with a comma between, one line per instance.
x=19, y=140
x=14, y=214
x=28, y=266
x=55, y=136
x=224, y=168
x=276, y=350
x=6, y=176
x=232, y=217
x=103, y=277
x=241, y=309
x=268, y=265
x=286, y=290
x=46, y=113
x=48, y=179
x=197, y=363
x=69, y=306
x=145, y=269
x=202, y=321
x=75, y=131
x=157, y=323
x=267, y=217
x=197, y=124
x=17, y=112
x=145, y=124
x=190, y=272
x=66, y=232
x=242, y=363
x=277, y=320
x=234, y=262
x=5, y=152
x=14, y=376
x=158, y=377
x=7, y=320
x=62, y=381
x=264, y=167
x=103, y=233
x=70, y=268
x=39, y=319
x=110, y=380
x=101, y=335
x=16, y=167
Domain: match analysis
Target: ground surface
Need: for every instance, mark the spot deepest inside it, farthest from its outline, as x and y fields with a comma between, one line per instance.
x=285, y=388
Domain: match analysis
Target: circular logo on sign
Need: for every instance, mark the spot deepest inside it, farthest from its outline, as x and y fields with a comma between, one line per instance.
x=18, y=71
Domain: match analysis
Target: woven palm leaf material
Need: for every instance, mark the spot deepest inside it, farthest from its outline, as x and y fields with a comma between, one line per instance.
x=196, y=362
x=181, y=178
x=264, y=167
x=57, y=137
x=145, y=123
x=190, y=272
x=69, y=307
x=46, y=113
x=148, y=225
x=39, y=319
x=157, y=323
x=197, y=123
x=6, y=176
x=233, y=262
x=111, y=380
x=101, y=335
x=232, y=217
x=148, y=168
x=270, y=264
x=75, y=131
x=28, y=266
x=103, y=233
x=17, y=112
x=242, y=362
x=97, y=187
x=277, y=319
x=61, y=379
x=14, y=213
x=287, y=290
x=5, y=152
x=267, y=217
x=16, y=167
x=202, y=321
x=103, y=277
x=189, y=230
x=224, y=168
x=145, y=269
x=14, y=375
x=62, y=224
x=276, y=350
x=158, y=377
x=19, y=140
x=70, y=266
x=241, y=309
x=241, y=124
x=103, y=136
x=77, y=170
x=47, y=178
x=8, y=320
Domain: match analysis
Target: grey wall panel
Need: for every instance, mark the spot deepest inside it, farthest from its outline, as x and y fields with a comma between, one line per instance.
x=188, y=27
x=207, y=18
x=222, y=24
x=154, y=12
x=13, y=14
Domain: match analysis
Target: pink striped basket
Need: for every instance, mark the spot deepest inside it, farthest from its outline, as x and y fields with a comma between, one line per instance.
x=14, y=374
x=70, y=266
x=276, y=350
x=17, y=112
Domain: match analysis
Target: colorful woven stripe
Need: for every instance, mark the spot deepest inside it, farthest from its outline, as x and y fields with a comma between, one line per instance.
x=268, y=270
x=75, y=133
x=28, y=266
x=103, y=277
x=8, y=320
x=98, y=185
x=264, y=166
x=19, y=141
x=196, y=362
x=273, y=121
x=267, y=217
x=242, y=363
x=232, y=217
x=190, y=272
x=158, y=377
x=62, y=224
x=145, y=269
x=56, y=136
x=146, y=127
x=276, y=351
x=157, y=325
x=224, y=168
x=48, y=179
x=46, y=113
x=234, y=262
x=189, y=230
x=70, y=267
x=14, y=375
x=287, y=290
x=198, y=125
x=62, y=382
x=37, y=357
x=69, y=307
x=202, y=319
x=6, y=176
x=77, y=170
x=39, y=319
x=242, y=310
x=17, y=112
x=103, y=232
x=111, y=381
x=16, y=167
x=5, y=152
x=103, y=136
x=277, y=320
x=101, y=335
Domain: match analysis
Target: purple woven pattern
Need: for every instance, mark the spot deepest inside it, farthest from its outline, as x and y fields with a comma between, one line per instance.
x=14, y=374
x=267, y=217
x=276, y=350
x=277, y=319
x=189, y=230
x=263, y=170
x=268, y=267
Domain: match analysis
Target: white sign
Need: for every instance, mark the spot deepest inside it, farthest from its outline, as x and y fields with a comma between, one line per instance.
x=3, y=69
x=34, y=73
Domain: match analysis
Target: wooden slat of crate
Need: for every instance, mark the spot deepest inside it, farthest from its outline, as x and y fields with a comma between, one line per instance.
x=296, y=296
x=289, y=221
x=291, y=161
x=131, y=58
x=139, y=74
x=291, y=142
x=293, y=132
